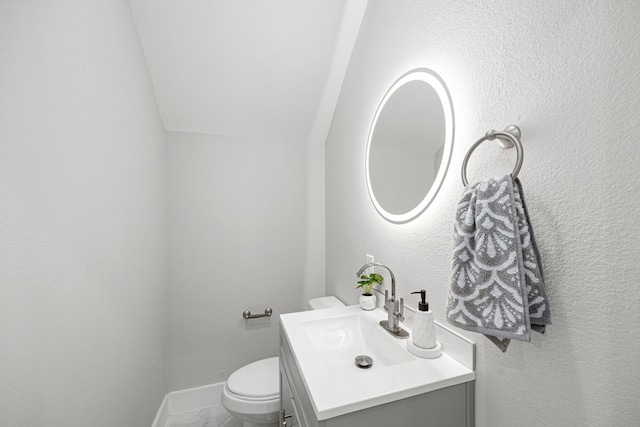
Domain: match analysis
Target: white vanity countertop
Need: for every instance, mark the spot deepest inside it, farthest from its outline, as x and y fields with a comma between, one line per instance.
x=337, y=388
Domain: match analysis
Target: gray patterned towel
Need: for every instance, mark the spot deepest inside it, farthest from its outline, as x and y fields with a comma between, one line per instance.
x=497, y=286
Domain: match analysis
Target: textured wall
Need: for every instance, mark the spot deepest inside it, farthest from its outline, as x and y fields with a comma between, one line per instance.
x=82, y=219
x=567, y=74
x=246, y=231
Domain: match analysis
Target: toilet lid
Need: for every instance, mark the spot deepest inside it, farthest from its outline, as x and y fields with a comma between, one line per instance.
x=257, y=379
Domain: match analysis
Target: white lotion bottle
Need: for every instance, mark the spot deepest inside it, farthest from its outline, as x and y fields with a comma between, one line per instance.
x=423, y=334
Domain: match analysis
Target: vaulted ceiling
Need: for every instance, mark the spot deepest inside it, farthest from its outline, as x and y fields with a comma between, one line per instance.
x=268, y=69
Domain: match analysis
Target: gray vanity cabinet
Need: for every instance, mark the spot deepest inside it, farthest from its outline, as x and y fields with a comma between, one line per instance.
x=288, y=409
x=447, y=407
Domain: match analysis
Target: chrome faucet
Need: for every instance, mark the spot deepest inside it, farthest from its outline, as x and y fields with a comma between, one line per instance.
x=395, y=308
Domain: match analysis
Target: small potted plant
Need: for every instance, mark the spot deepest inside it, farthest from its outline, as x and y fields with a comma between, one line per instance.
x=367, y=299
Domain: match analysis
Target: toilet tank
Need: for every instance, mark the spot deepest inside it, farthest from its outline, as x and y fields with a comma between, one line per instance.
x=324, y=302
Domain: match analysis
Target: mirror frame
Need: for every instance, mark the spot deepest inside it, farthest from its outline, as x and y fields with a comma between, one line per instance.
x=435, y=81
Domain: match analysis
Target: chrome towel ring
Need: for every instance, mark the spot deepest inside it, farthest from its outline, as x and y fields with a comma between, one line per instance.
x=508, y=138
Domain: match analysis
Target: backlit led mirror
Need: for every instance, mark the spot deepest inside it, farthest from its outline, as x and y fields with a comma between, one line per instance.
x=409, y=145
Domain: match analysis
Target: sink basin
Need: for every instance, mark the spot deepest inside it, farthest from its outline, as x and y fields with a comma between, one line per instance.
x=340, y=339
x=324, y=345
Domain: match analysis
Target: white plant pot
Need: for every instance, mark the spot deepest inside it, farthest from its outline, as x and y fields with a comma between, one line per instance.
x=367, y=301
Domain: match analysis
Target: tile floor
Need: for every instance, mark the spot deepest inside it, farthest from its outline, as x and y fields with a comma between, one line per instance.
x=213, y=416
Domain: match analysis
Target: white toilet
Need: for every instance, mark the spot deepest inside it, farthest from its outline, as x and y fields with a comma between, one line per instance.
x=252, y=393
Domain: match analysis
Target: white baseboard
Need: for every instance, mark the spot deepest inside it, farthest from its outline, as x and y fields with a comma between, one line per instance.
x=191, y=399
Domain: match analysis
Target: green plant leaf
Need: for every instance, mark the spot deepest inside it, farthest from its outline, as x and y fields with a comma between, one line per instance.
x=369, y=281
x=377, y=278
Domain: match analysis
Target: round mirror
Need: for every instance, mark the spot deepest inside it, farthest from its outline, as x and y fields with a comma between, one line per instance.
x=409, y=145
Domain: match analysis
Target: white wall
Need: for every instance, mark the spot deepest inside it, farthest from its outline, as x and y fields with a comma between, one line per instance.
x=567, y=74
x=246, y=232
x=82, y=219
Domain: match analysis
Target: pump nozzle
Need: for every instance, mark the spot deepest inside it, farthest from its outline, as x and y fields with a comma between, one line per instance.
x=423, y=305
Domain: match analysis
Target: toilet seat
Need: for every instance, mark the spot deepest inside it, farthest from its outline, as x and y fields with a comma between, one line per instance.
x=252, y=393
x=259, y=380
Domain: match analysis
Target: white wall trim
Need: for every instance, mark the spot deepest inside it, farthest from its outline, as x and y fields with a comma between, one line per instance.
x=178, y=402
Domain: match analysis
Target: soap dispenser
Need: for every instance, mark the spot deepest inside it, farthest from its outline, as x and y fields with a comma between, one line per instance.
x=423, y=334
